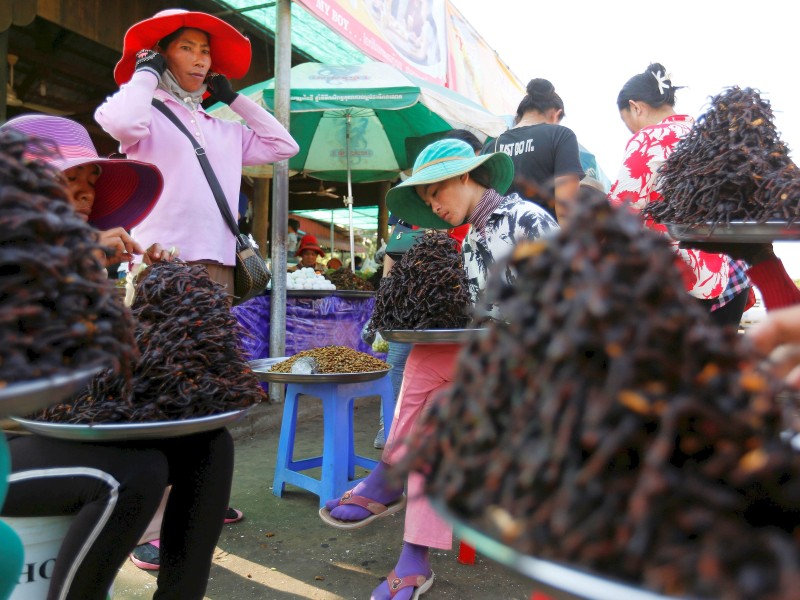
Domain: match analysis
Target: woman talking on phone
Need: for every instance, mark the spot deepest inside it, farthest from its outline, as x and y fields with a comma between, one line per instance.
x=178, y=57
x=172, y=61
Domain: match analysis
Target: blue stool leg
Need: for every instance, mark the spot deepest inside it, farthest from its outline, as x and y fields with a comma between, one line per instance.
x=337, y=443
x=286, y=440
x=351, y=442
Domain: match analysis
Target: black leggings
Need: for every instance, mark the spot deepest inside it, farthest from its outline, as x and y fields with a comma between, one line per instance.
x=113, y=489
x=731, y=313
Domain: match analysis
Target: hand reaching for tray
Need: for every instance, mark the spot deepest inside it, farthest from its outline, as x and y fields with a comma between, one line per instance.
x=779, y=336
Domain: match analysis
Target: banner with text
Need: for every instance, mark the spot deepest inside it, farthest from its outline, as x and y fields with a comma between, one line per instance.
x=475, y=70
x=408, y=34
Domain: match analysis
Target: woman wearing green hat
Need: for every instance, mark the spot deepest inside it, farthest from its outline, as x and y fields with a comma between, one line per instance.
x=449, y=186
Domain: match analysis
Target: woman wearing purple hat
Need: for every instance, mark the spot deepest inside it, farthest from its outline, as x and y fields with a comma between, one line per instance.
x=113, y=195
x=111, y=489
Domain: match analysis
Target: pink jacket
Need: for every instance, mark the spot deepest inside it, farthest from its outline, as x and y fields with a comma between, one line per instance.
x=186, y=215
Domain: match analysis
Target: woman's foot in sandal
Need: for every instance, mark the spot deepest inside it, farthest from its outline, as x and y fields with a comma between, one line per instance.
x=374, y=487
x=411, y=577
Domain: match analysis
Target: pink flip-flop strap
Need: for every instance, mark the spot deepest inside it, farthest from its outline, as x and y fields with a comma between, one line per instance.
x=398, y=583
x=372, y=506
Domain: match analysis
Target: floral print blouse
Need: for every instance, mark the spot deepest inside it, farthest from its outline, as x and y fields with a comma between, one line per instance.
x=707, y=274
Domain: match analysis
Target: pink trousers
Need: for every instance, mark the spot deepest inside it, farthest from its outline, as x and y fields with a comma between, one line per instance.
x=429, y=371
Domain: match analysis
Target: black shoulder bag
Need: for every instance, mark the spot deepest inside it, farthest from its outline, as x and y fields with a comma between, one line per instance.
x=250, y=275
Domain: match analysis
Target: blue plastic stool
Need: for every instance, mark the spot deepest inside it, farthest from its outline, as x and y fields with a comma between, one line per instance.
x=339, y=459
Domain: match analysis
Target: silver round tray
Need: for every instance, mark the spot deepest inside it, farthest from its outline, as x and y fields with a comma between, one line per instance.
x=354, y=293
x=114, y=432
x=305, y=293
x=25, y=397
x=432, y=336
x=558, y=581
x=741, y=232
x=261, y=368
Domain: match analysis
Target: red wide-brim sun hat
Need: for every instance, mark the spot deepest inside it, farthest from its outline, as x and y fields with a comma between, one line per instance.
x=230, y=50
x=309, y=242
x=126, y=190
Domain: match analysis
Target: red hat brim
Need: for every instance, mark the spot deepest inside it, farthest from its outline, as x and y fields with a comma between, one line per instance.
x=309, y=247
x=230, y=50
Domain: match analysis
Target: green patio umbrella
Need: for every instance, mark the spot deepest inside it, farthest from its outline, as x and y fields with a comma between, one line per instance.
x=352, y=121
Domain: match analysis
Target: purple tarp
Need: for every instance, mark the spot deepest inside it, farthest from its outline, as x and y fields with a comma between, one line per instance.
x=310, y=323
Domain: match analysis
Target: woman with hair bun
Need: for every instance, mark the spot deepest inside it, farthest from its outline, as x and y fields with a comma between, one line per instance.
x=646, y=105
x=545, y=154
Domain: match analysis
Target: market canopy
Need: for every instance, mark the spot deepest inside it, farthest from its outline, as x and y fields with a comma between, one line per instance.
x=336, y=237
x=365, y=218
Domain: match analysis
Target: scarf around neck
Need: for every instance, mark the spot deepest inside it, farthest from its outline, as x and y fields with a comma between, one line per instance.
x=169, y=84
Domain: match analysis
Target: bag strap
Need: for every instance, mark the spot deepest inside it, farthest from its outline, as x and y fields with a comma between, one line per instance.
x=200, y=152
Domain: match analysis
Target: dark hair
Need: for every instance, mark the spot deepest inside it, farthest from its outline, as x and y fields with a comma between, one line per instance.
x=294, y=224
x=481, y=176
x=652, y=87
x=164, y=42
x=465, y=136
x=541, y=95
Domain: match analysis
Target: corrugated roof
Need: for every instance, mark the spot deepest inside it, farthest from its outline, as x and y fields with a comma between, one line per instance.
x=309, y=35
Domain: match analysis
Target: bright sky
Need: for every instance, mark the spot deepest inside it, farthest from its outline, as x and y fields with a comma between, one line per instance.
x=588, y=49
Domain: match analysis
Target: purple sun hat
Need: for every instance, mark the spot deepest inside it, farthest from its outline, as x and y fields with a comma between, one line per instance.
x=126, y=190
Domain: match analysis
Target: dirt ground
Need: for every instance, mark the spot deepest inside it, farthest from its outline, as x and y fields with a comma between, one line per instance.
x=282, y=550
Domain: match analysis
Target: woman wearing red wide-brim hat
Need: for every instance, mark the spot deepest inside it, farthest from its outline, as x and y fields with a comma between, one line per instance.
x=173, y=61
x=178, y=58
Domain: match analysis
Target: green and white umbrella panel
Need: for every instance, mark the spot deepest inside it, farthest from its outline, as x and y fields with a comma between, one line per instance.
x=352, y=122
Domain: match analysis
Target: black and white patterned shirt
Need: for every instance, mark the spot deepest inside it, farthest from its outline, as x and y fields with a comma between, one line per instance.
x=514, y=220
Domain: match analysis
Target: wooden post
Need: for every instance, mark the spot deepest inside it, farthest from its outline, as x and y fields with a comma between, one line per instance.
x=3, y=73
x=261, y=201
x=383, y=212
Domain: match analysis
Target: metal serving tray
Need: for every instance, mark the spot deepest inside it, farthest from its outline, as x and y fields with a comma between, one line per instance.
x=25, y=397
x=354, y=293
x=113, y=432
x=305, y=293
x=557, y=581
x=326, y=293
x=432, y=336
x=262, y=367
x=742, y=232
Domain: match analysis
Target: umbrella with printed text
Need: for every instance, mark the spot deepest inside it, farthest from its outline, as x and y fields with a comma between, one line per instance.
x=352, y=121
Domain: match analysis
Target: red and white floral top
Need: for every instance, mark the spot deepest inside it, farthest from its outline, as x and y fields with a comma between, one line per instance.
x=707, y=274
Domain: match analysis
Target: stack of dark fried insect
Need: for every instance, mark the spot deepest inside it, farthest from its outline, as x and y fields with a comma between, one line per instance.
x=191, y=364
x=426, y=289
x=344, y=279
x=612, y=426
x=58, y=312
x=731, y=167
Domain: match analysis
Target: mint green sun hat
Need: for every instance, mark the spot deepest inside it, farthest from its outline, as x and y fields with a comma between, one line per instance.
x=439, y=161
